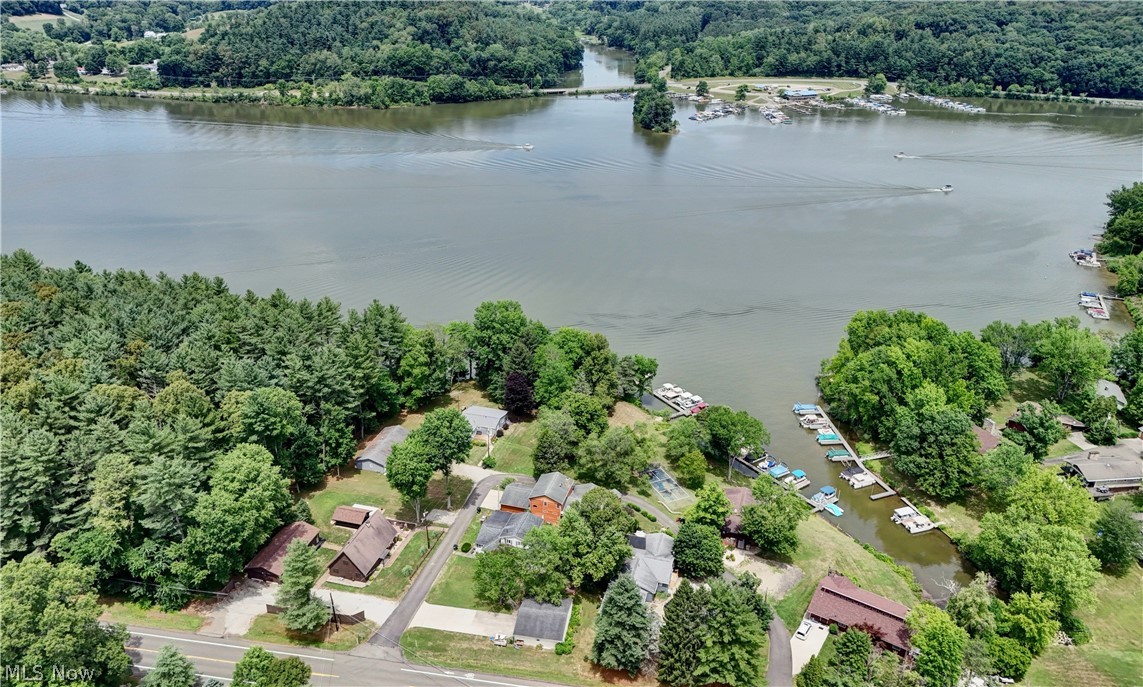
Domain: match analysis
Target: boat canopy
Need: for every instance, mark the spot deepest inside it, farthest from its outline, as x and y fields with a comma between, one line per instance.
x=805, y=407
x=798, y=474
x=778, y=470
x=696, y=399
x=828, y=437
x=902, y=512
x=1088, y=294
x=828, y=490
x=836, y=453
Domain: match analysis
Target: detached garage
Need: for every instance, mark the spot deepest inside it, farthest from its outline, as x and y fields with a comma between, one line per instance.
x=267, y=563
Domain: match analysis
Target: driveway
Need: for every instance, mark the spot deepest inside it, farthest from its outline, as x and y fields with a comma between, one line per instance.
x=464, y=620
x=234, y=615
x=376, y=609
x=780, y=671
x=801, y=650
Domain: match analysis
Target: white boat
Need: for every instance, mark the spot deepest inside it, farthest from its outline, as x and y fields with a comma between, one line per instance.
x=947, y=188
x=900, y=155
x=1098, y=313
x=527, y=146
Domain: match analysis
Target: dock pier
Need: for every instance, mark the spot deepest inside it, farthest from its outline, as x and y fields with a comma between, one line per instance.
x=860, y=460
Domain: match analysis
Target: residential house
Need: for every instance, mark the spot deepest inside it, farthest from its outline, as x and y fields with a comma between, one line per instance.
x=485, y=421
x=838, y=601
x=1107, y=471
x=365, y=550
x=542, y=623
x=652, y=562
x=350, y=516
x=268, y=562
x=987, y=440
x=547, y=499
x=1069, y=423
x=1111, y=390
x=739, y=498
x=375, y=456
x=505, y=528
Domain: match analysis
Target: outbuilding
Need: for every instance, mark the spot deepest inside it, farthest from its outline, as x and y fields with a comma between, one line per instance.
x=268, y=562
x=485, y=421
x=542, y=623
x=365, y=550
x=375, y=456
x=350, y=516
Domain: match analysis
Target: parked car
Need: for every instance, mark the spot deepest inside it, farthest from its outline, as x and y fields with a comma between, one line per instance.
x=803, y=630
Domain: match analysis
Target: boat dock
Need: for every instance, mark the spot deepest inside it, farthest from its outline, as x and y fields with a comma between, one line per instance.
x=803, y=408
x=678, y=399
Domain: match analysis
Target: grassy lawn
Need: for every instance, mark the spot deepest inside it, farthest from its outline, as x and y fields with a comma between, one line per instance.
x=646, y=525
x=628, y=415
x=131, y=613
x=391, y=581
x=36, y=21
x=1025, y=386
x=455, y=586
x=325, y=556
x=471, y=532
x=269, y=628
x=372, y=489
x=513, y=451
x=824, y=548
x=460, y=396
x=1115, y=654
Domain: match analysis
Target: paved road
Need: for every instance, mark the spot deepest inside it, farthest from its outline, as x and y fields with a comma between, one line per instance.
x=780, y=672
x=387, y=637
x=216, y=659
x=666, y=521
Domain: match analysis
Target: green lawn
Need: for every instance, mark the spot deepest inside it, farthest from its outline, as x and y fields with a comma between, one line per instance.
x=513, y=451
x=824, y=548
x=372, y=489
x=391, y=581
x=269, y=628
x=1114, y=657
x=131, y=613
x=36, y=21
x=1025, y=386
x=470, y=533
x=455, y=586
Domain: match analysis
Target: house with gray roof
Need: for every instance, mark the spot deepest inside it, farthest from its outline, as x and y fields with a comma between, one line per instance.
x=514, y=498
x=542, y=623
x=485, y=421
x=652, y=562
x=547, y=498
x=375, y=456
x=1111, y=390
x=578, y=492
x=1107, y=470
x=504, y=528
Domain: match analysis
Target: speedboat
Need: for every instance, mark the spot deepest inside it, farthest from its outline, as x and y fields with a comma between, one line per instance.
x=527, y=146
x=900, y=155
x=833, y=509
x=947, y=188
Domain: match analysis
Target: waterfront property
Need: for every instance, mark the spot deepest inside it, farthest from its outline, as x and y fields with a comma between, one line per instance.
x=268, y=562
x=485, y=422
x=800, y=94
x=504, y=528
x=375, y=455
x=912, y=519
x=1110, y=389
x=652, y=562
x=542, y=624
x=739, y=498
x=838, y=601
x=365, y=550
x=1108, y=470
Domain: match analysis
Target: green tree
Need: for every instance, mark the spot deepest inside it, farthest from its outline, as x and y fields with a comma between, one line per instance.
x=543, y=568
x=740, y=92
x=1044, y=498
x=586, y=411
x=702, y=89
x=1031, y=620
x=654, y=111
x=772, y=523
x=711, y=507
x=941, y=644
x=876, y=84
x=1072, y=359
x=684, y=619
x=1117, y=540
x=1016, y=343
x=812, y=673
x=51, y=618
x=1041, y=429
x=691, y=470
x=733, y=637
x=1003, y=468
x=448, y=438
x=1123, y=233
x=496, y=577
x=591, y=555
x=604, y=512
x=611, y=460
x=853, y=648
x=410, y=468
x=622, y=629
x=496, y=326
x=635, y=373
x=556, y=442
x=302, y=611
x=685, y=436
x=732, y=432
x=1009, y=658
x=698, y=551
x=260, y=668
x=972, y=607
x=934, y=444
x=171, y=669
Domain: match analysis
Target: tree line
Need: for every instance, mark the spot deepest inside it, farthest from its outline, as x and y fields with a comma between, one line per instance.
x=158, y=430
x=1089, y=48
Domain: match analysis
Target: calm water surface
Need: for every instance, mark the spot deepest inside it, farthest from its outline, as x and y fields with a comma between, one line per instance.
x=734, y=252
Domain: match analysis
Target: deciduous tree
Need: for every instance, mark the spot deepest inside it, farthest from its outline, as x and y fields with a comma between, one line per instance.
x=1117, y=541
x=772, y=523
x=447, y=437
x=733, y=432
x=711, y=507
x=410, y=468
x=940, y=642
x=698, y=551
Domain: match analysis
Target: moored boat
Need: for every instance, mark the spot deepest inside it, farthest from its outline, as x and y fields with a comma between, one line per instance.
x=807, y=409
x=838, y=455
x=833, y=509
x=800, y=480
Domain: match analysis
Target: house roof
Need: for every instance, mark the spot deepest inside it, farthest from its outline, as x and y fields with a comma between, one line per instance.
x=483, y=418
x=840, y=600
x=553, y=485
x=370, y=543
x=543, y=620
x=986, y=439
x=579, y=491
x=516, y=495
x=354, y=516
x=1107, y=388
x=739, y=498
x=272, y=556
x=378, y=450
x=655, y=544
x=1069, y=421
x=652, y=560
x=504, y=525
x=1108, y=463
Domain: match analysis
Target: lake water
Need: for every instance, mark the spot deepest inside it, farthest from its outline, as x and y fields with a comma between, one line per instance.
x=733, y=252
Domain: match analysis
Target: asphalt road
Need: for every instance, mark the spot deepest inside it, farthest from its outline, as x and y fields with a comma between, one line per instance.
x=216, y=659
x=780, y=670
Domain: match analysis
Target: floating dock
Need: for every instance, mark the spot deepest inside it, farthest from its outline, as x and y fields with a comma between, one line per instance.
x=679, y=400
x=805, y=408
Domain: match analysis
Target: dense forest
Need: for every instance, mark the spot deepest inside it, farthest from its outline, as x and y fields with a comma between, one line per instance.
x=374, y=53
x=158, y=429
x=1093, y=48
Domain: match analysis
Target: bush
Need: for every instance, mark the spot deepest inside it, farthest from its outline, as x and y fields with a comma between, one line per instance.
x=1073, y=627
x=488, y=463
x=904, y=572
x=466, y=547
x=565, y=647
x=407, y=571
x=1009, y=657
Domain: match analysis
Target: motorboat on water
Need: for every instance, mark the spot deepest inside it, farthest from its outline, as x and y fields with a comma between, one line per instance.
x=527, y=146
x=1098, y=313
x=826, y=494
x=947, y=188
x=900, y=155
x=806, y=409
x=833, y=509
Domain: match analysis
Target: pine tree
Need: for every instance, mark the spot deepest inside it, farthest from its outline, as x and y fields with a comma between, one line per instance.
x=681, y=636
x=623, y=629
x=303, y=612
x=172, y=669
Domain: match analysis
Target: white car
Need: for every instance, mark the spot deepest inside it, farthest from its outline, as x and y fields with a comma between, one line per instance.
x=803, y=630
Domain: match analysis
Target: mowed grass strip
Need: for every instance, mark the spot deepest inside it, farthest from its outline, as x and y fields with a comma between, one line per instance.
x=456, y=586
x=132, y=613
x=269, y=628
x=513, y=451
x=1114, y=656
x=391, y=581
x=824, y=548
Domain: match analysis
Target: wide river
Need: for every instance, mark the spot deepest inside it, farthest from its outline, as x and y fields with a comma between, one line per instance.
x=733, y=252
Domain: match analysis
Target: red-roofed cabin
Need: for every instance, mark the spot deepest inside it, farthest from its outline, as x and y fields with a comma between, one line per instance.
x=839, y=601
x=267, y=563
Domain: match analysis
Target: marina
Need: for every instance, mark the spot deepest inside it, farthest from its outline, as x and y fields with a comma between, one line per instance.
x=680, y=400
x=878, y=107
x=846, y=454
x=912, y=519
x=945, y=103
x=1095, y=304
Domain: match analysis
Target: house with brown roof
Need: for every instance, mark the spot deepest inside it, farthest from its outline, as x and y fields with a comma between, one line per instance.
x=739, y=498
x=268, y=562
x=838, y=601
x=348, y=516
x=986, y=439
x=365, y=550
